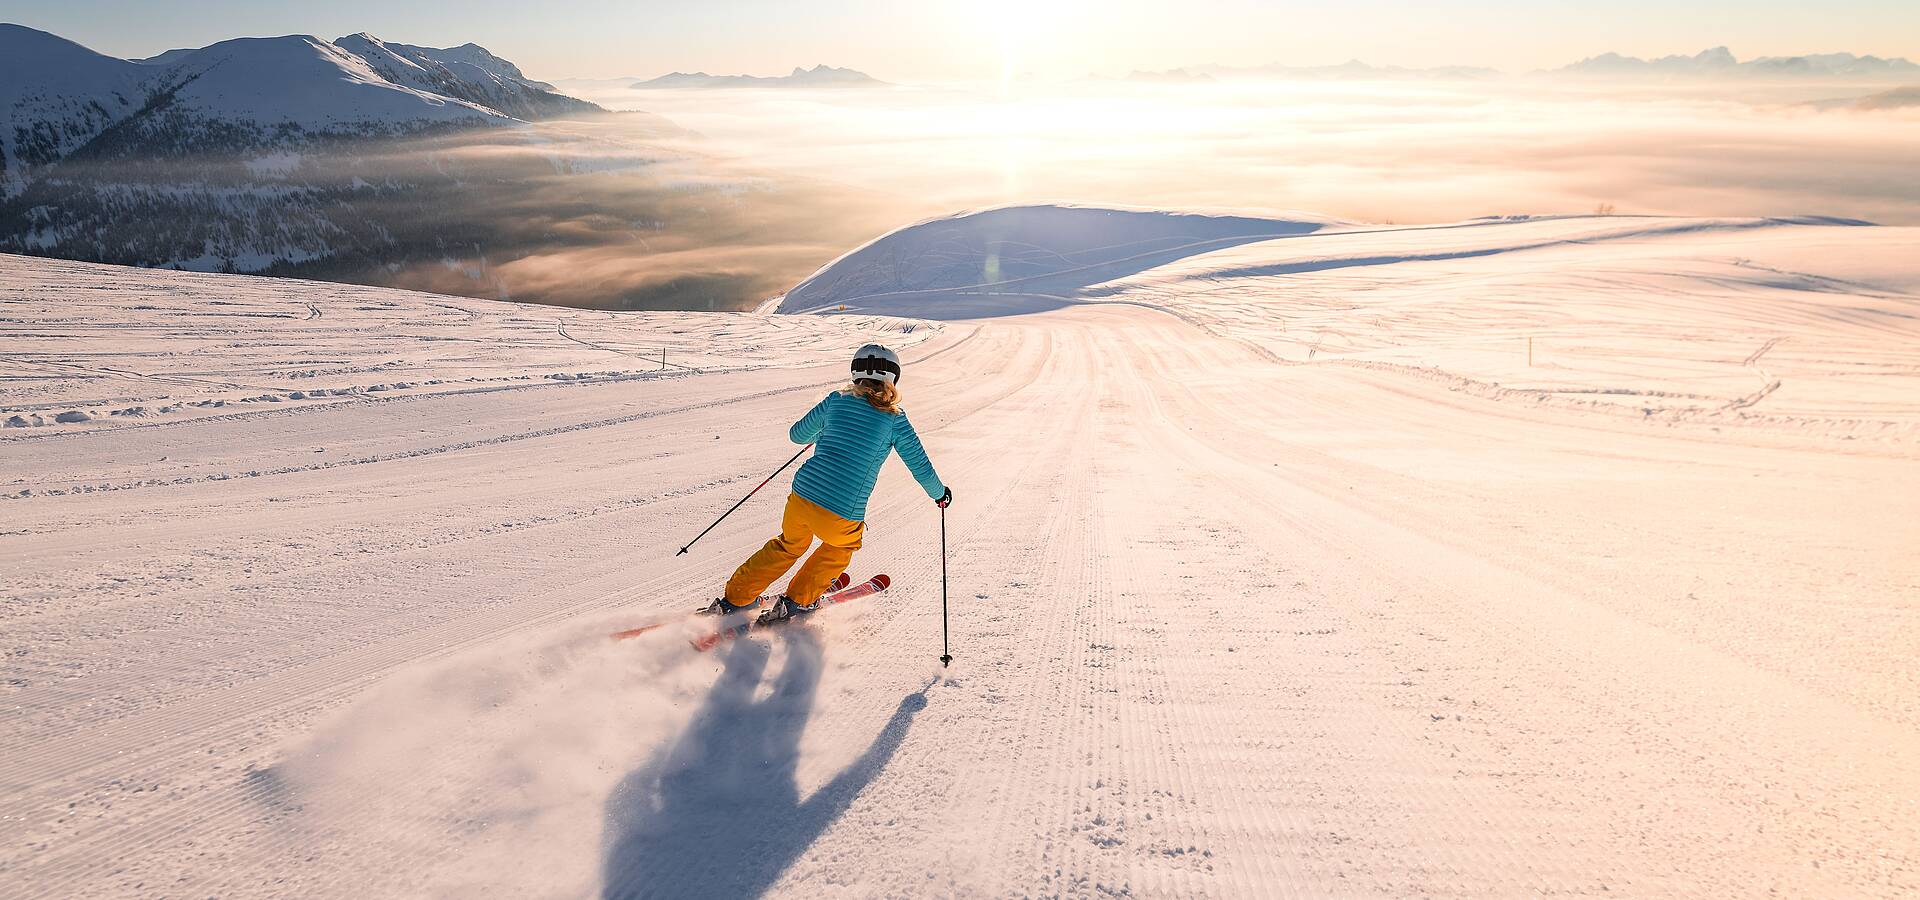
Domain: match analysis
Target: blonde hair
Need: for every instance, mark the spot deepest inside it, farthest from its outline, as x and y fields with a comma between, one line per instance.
x=879, y=394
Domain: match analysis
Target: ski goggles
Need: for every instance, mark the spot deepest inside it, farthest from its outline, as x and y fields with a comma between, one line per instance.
x=877, y=369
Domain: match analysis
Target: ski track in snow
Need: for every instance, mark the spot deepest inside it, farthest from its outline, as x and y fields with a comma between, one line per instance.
x=1271, y=577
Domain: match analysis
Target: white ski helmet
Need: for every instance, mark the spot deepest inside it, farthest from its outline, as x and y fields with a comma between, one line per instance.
x=878, y=363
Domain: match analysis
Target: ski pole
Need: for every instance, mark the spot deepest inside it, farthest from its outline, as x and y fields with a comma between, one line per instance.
x=946, y=658
x=749, y=496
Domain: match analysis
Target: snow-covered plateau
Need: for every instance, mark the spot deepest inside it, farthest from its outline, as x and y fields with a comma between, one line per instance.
x=1290, y=556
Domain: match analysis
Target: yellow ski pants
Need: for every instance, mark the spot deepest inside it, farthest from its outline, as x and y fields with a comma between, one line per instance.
x=803, y=521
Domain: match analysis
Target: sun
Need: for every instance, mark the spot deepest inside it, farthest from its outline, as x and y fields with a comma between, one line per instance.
x=1016, y=37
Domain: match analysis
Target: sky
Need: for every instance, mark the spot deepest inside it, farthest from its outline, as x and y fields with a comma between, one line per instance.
x=990, y=39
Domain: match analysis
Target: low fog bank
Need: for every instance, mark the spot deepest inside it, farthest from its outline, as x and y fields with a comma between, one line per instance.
x=602, y=214
x=764, y=186
x=1381, y=151
x=610, y=211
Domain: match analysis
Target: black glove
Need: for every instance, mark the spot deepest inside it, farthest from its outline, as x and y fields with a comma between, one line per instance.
x=945, y=499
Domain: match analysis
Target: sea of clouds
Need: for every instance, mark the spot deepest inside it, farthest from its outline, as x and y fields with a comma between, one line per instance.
x=1403, y=151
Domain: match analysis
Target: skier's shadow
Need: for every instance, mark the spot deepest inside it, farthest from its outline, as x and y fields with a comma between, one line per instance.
x=717, y=813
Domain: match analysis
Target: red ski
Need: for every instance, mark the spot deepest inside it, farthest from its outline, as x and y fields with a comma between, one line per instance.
x=871, y=586
x=839, y=584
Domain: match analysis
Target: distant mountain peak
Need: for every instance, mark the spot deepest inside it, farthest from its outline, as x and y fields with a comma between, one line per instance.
x=821, y=75
x=1721, y=61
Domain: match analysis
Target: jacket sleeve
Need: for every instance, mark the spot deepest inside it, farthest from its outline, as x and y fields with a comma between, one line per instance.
x=906, y=442
x=808, y=428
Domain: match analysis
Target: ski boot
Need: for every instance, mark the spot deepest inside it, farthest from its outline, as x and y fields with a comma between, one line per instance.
x=784, y=609
x=720, y=607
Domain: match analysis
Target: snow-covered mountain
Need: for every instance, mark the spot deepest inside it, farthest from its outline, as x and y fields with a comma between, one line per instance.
x=305, y=82
x=241, y=155
x=818, y=76
x=467, y=72
x=55, y=96
x=1719, y=61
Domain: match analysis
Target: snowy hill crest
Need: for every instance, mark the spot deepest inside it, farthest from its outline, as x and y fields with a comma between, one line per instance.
x=999, y=248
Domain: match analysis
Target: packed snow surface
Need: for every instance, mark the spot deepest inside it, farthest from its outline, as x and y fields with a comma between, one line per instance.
x=1277, y=568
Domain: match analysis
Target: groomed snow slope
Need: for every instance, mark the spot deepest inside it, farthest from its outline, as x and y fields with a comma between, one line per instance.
x=1249, y=597
x=224, y=346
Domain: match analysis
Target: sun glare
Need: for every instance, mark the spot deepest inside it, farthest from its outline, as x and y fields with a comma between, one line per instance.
x=1044, y=35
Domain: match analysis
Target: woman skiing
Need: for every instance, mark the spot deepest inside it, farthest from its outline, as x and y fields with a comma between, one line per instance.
x=852, y=431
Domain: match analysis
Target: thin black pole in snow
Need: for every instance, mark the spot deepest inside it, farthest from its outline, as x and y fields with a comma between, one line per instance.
x=749, y=496
x=946, y=658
